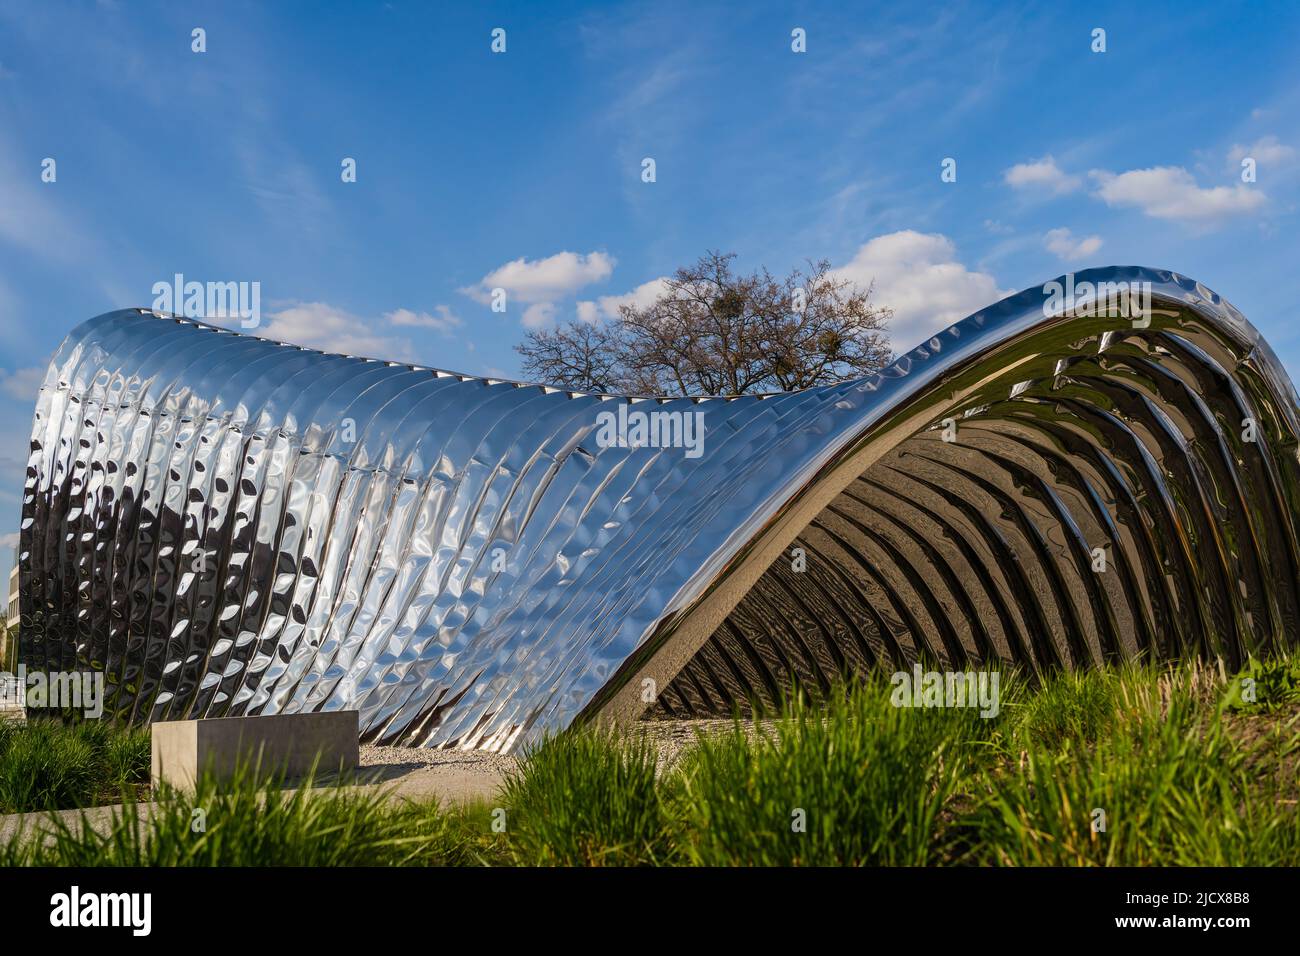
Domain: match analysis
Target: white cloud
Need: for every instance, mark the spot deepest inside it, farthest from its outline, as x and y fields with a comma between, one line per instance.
x=538, y=314
x=1267, y=152
x=918, y=276
x=1065, y=245
x=1170, y=192
x=442, y=320
x=322, y=326
x=22, y=383
x=607, y=306
x=543, y=280
x=1042, y=174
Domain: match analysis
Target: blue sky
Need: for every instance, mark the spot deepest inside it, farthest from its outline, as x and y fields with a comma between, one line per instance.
x=522, y=169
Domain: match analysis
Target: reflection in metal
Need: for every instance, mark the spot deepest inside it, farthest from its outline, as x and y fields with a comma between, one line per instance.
x=225, y=525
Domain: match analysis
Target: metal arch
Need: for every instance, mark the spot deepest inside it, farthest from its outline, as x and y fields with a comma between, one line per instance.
x=226, y=525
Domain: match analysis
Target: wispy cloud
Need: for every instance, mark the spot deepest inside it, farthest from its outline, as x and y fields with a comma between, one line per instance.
x=650, y=69
x=442, y=319
x=1267, y=152
x=22, y=383
x=31, y=216
x=289, y=193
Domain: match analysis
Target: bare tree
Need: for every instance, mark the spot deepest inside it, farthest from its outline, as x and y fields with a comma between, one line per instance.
x=713, y=332
x=579, y=356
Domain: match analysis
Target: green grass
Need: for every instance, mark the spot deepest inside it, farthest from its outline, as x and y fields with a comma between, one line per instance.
x=1266, y=686
x=1073, y=708
x=1155, y=779
x=587, y=799
x=854, y=782
x=1185, y=770
x=1136, y=765
x=252, y=821
x=46, y=765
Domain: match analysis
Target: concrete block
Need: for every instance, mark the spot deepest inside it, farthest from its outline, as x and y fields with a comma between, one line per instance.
x=287, y=743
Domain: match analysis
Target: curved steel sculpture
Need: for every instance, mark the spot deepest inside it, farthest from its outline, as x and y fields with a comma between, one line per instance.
x=225, y=525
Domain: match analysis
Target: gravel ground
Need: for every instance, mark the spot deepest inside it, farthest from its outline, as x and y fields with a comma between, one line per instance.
x=413, y=757
x=448, y=775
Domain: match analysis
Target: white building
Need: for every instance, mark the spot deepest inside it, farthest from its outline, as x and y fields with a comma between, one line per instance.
x=11, y=616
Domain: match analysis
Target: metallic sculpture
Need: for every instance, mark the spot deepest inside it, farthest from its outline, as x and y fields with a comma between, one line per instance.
x=225, y=525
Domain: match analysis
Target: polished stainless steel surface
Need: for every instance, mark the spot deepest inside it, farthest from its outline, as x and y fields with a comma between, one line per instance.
x=226, y=525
